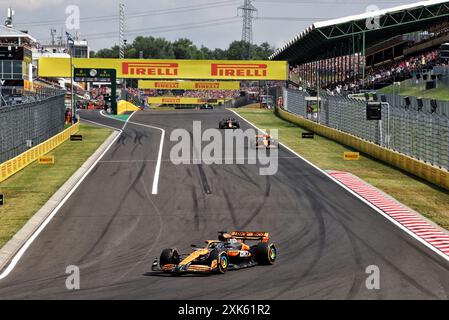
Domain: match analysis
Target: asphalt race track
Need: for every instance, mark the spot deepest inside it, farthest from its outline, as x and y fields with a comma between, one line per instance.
x=113, y=227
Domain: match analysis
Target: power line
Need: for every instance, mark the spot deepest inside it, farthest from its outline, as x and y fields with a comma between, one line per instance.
x=184, y=9
x=333, y=2
x=293, y=19
x=166, y=28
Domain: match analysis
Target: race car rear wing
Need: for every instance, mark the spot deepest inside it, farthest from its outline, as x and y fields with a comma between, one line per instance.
x=245, y=235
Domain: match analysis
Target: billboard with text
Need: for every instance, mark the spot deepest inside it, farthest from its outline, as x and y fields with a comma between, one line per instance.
x=170, y=69
x=189, y=85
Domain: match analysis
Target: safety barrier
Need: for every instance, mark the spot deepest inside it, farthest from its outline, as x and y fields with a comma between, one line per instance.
x=125, y=106
x=11, y=167
x=432, y=174
x=30, y=122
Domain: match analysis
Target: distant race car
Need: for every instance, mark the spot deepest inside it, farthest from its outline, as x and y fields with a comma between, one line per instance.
x=229, y=252
x=206, y=107
x=229, y=123
x=265, y=141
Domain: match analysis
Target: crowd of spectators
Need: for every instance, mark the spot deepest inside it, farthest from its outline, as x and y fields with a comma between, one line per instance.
x=386, y=73
x=207, y=94
x=99, y=93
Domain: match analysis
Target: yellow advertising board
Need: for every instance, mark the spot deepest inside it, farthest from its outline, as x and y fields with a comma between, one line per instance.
x=178, y=100
x=351, y=156
x=189, y=85
x=46, y=160
x=11, y=167
x=170, y=69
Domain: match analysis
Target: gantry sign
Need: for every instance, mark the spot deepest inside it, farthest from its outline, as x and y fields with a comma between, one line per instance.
x=99, y=75
x=171, y=69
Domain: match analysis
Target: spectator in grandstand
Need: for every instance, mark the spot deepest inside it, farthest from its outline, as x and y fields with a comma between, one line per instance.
x=387, y=72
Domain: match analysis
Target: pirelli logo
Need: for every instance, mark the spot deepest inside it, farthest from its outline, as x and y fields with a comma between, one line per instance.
x=171, y=100
x=239, y=70
x=351, y=156
x=207, y=86
x=149, y=69
x=166, y=85
x=46, y=160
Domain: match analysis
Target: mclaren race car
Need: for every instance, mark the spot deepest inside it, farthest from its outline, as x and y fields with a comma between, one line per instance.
x=229, y=252
x=265, y=141
x=229, y=123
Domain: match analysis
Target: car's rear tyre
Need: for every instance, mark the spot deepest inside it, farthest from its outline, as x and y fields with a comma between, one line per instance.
x=222, y=260
x=266, y=253
x=169, y=256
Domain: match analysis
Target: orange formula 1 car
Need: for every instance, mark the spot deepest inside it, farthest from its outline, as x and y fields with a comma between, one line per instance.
x=265, y=141
x=229, y=123
x=229, y=252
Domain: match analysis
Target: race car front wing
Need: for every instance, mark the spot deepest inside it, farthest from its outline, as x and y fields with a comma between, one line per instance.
x=187, y=268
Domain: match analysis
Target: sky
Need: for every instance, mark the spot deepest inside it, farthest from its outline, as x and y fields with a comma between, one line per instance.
x=212, y=23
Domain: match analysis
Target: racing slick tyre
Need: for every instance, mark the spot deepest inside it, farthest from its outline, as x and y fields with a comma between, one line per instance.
x=169, y=256
x=265, y=253
x=222, y=260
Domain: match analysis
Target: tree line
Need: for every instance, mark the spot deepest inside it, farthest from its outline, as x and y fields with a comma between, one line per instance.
x=161, y=48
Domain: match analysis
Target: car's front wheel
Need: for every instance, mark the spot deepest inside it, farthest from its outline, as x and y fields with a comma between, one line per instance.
x=222, y=260
x=169, y=256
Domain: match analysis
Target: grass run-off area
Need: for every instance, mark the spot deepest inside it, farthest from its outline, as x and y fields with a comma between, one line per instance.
x=406, y=89
x=28, y=190
x=429, y=200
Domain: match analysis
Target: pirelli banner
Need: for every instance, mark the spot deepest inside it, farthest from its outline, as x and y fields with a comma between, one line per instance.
x=180, y=101
x=189, y=85
x=170, y=69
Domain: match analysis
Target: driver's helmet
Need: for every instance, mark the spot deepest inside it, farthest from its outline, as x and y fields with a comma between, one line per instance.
x=224, y=237
x=232, y=241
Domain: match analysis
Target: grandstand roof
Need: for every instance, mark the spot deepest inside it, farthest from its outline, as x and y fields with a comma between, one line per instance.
x=6, y=32
x=322, y=37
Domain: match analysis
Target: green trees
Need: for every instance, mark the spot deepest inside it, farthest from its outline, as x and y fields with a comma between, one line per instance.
x=161, y=48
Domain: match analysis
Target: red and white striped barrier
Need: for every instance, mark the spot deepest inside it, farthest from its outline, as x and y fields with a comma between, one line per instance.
x=418, y=225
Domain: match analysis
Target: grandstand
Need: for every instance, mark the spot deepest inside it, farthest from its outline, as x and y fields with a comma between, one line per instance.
x=370, y=50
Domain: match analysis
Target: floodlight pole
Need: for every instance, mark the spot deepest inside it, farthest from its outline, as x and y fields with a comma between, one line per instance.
x=363, y=54
x=318, y=93
x=72, y=103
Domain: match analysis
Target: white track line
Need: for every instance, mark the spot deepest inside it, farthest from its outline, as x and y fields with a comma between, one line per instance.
x=157, y=170
x=396, y=223
x=28, y=243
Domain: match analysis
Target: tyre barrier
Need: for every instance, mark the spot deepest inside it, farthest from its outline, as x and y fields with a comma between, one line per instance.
x=14, y=165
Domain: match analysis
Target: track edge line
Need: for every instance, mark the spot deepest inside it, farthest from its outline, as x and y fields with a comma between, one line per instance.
x=396, y=223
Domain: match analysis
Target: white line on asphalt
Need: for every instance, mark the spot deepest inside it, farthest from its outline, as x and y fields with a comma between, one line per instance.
x=409, y=232
x=161, y=148
x=28, y=243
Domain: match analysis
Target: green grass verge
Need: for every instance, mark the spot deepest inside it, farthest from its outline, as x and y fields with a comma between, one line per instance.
x=405, y=89
x=28, y=190
x=419, y=195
